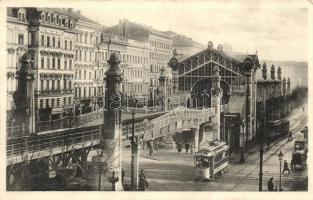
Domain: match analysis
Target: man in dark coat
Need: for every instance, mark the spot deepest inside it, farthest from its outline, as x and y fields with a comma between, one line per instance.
x=270, y=185
x=143, y=183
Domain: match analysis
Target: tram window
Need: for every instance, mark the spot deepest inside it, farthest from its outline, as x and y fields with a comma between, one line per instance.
x=203, y=161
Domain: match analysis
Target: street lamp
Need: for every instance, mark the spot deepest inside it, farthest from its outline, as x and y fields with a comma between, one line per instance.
x=280, y=156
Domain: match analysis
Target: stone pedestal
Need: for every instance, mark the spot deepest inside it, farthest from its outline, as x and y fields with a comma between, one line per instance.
x=111, y=133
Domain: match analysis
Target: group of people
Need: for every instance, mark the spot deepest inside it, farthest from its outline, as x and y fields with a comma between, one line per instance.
x=143, y=183
x=187, y=147
x=270, y=184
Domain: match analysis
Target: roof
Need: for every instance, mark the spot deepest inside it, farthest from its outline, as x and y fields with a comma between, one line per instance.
x=182, y=40
x=75, y=14
x=134, y=31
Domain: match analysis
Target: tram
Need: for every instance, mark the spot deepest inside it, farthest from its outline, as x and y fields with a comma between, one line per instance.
x=277, y=128
x=299, y=155
x=211, y=161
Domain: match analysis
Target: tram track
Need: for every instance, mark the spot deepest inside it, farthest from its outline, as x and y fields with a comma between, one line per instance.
x=297, y=126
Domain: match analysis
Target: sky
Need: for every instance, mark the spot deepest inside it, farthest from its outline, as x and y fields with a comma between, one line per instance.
x=276, y=34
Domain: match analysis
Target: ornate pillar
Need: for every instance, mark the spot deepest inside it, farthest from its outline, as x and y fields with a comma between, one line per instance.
x=163, y=88
x=24, y=98
x=248, y=84
x=111, y=134
x=196, y=142
x=288, y=92
x=216, y=94
x=284, y=97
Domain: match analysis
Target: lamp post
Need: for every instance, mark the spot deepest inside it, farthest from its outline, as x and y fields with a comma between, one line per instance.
x=280, y=156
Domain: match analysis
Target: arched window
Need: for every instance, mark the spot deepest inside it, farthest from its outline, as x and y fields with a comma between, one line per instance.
x=43, y=17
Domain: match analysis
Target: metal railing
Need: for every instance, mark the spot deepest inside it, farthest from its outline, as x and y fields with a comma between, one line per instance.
x=68, y=137
x=50, y=125
x=51, y=141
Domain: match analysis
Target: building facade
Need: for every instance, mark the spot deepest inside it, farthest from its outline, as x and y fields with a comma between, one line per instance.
x=52, y=33
x=161, y=48
x=89, y=64
x=17, y=45
x=47, y=36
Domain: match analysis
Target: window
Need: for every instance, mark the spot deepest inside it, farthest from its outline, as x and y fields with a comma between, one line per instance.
x=59, y=63
x=70, y=84
x=20, y=38
x=41, y=103
x=41, y=85
x=70, y=64
x=76, y=54
x=58, y=84
x=90, y=56
x=80, y=74
x=48, y=63
x=33, y=40
x=48, y=41
x=42, y=40
x=64, y=101
x=53, y=82
x=85, y=57
x=42, y=62
x=80, y=55
x=53, y=63
x=85, y=75
x=64, y=84
x=65, y=64
x=70, y=45
x=59, y=43
x=53, y=41
x=65, y=44
x=89, y=75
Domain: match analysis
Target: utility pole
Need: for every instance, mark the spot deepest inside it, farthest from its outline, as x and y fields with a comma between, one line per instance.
x=261, y=140
x=135, y=156
x=132, y=150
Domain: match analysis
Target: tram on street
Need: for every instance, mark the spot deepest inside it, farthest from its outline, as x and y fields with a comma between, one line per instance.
x=299, y=155
x=277, y=128
x=211, y=161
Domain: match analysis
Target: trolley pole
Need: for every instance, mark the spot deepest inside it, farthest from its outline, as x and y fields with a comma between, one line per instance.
x=261, y=140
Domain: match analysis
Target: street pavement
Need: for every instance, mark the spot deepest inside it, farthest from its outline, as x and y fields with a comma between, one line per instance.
x=167, y=170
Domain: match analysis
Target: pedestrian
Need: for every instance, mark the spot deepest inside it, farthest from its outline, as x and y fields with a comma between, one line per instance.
x=268, y=143
x=113, y=179
x=187, y=147
x=143, y=183
x=270, y=185
x=179, y=147
x=123, y=175
x=290, y=136
x=286, y=168
x=230, y=151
